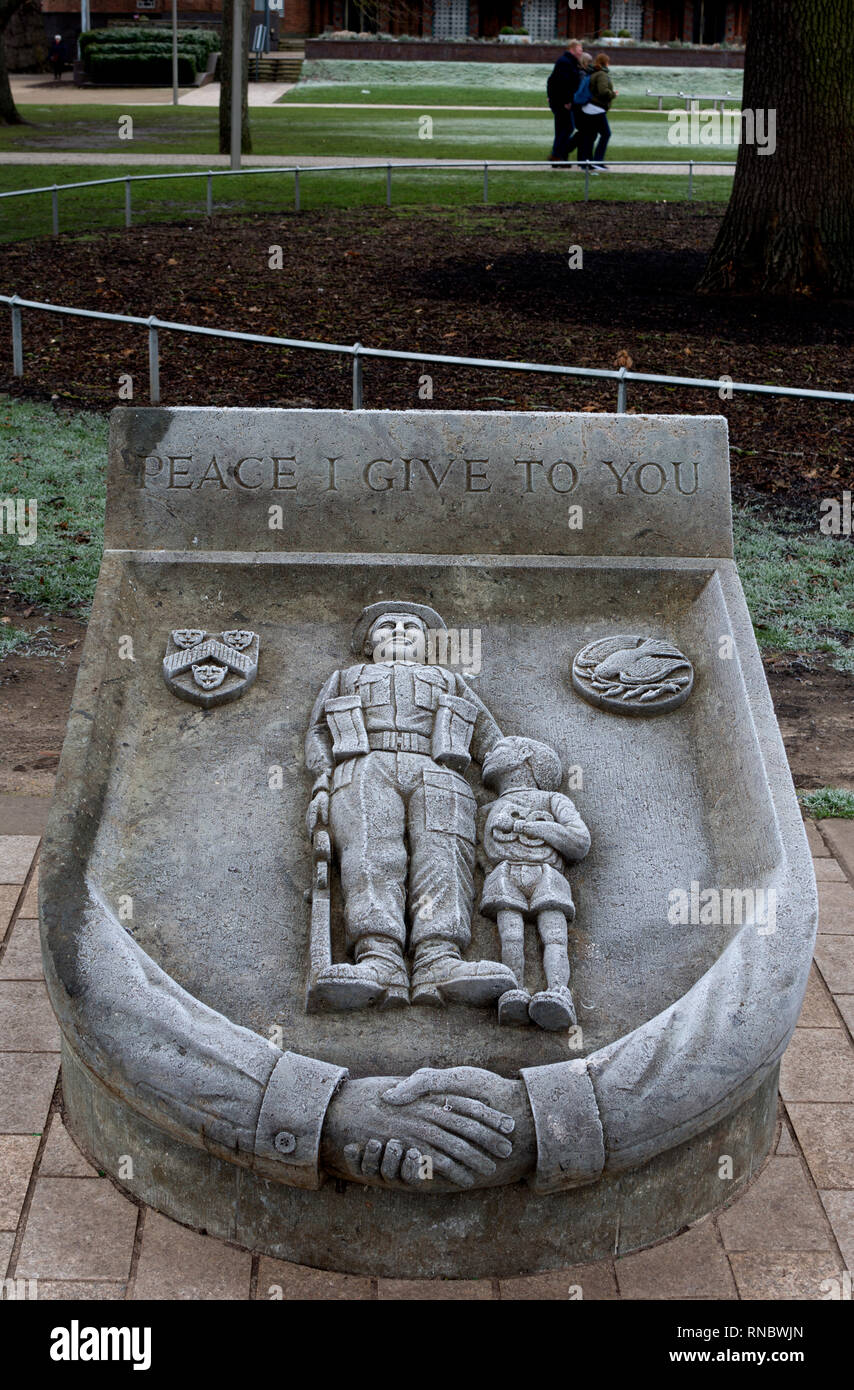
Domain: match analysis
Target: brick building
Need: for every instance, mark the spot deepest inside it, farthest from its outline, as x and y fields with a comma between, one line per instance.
x=691, y=21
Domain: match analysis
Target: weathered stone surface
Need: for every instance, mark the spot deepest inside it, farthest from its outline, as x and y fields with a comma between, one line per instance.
x=481, y=482
x=176, y=863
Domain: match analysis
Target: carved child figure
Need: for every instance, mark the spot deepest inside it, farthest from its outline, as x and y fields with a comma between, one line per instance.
x=531, y=832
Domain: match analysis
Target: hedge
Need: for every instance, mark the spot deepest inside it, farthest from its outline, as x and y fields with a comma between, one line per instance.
x=150, y=70
x=144, y=55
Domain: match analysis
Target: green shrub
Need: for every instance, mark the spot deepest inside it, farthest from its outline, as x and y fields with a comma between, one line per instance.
x=144, y=55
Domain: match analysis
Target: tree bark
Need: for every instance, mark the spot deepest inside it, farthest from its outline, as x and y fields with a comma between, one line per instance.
x=789, y=225
x=9, y=114
x=225, y=79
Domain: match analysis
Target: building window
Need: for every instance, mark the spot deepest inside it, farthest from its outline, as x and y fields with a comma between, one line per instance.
x=627, y=14
x=540, y=19
x=450, y=19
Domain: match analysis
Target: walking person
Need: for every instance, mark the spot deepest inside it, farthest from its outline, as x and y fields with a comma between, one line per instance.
x=593, y=120
x=560, y=90
x=55, y=56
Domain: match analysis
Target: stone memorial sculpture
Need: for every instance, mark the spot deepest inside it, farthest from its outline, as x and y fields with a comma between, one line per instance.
x=388, y=741
x=179, y=949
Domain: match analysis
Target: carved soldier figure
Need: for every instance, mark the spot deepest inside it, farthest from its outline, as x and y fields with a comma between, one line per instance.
x=388, y=741
x=531, y=833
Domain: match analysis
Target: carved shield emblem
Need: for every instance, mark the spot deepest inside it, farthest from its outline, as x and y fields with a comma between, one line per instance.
x=209, y=668
x=633, y=674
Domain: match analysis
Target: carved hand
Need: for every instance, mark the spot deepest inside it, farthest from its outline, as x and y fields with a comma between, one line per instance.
x=376, y=1131
x=318, y=812
x=452, y=1086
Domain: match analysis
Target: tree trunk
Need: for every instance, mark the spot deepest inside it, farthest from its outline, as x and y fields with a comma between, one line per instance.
x=225, y=79
x=8, y=110
x=789, y=226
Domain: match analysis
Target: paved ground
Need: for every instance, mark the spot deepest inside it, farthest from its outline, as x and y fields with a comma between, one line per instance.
x=790, y=1235
x=41, y=90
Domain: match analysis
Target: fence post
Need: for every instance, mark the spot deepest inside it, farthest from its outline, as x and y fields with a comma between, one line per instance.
x=17, y=340
x=127, y=203
x=388, y=186
x=209, y=204
x=485, y=182
x=296, y=190
x=586, y=182
x=621, y=392
x=690, y=178
x=54, y=207
x=153, y=362
x=357, y=377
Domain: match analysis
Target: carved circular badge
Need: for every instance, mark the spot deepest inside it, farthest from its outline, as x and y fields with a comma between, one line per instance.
x=632, y=674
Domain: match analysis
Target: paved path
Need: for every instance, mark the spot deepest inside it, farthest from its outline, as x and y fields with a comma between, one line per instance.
x=45, y=91
x=78, y=1236
x=310, y=161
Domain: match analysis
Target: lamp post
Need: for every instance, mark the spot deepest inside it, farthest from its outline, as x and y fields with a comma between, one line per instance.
x=174, y=52
x=84, y=21
x=236, y=82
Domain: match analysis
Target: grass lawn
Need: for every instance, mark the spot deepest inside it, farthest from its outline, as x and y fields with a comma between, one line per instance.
x=427, y=95
x=799, y=584
x=86, y=210
x=828, y=801
x=282, y=131
x=60, y=461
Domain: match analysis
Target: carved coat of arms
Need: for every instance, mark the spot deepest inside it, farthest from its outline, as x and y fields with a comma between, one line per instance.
x=209, y=668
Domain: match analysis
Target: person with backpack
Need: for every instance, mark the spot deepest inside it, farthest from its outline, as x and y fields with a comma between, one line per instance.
x=593, y=118
x=561, y=88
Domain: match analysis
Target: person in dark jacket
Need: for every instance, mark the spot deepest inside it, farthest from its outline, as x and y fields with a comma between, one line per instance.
x=55, y=55
x=561, y=88
x=593, y=119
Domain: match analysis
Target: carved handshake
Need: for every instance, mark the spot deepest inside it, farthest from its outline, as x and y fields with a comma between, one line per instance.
x=437, y=1129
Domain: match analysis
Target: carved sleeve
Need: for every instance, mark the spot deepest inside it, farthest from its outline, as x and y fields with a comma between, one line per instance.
x=486, y=732
x=318, y=740
x=181, y=1064
x=677, y=1074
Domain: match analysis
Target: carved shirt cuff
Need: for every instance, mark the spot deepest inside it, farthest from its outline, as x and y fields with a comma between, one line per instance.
x=287, y=1141
x=570, y=1142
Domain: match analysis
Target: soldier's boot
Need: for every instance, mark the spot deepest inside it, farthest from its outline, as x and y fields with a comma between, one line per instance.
x=552, y=1009
x=378, y=979
x=441, y=976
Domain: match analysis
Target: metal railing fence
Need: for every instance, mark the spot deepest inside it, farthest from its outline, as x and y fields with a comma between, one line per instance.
x=358, y=352
x=693, y=167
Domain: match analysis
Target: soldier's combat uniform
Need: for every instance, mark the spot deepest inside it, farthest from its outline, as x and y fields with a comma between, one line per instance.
x=395, y=737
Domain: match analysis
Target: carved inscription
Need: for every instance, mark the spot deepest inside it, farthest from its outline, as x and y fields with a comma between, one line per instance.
x=210, y=473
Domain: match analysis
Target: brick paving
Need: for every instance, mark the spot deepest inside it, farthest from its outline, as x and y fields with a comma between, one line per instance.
x=62, y=1224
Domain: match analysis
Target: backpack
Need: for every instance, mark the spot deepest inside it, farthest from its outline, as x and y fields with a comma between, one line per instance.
x=582, y=94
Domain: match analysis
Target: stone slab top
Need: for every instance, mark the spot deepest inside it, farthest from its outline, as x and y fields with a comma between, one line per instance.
x=204, y=479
